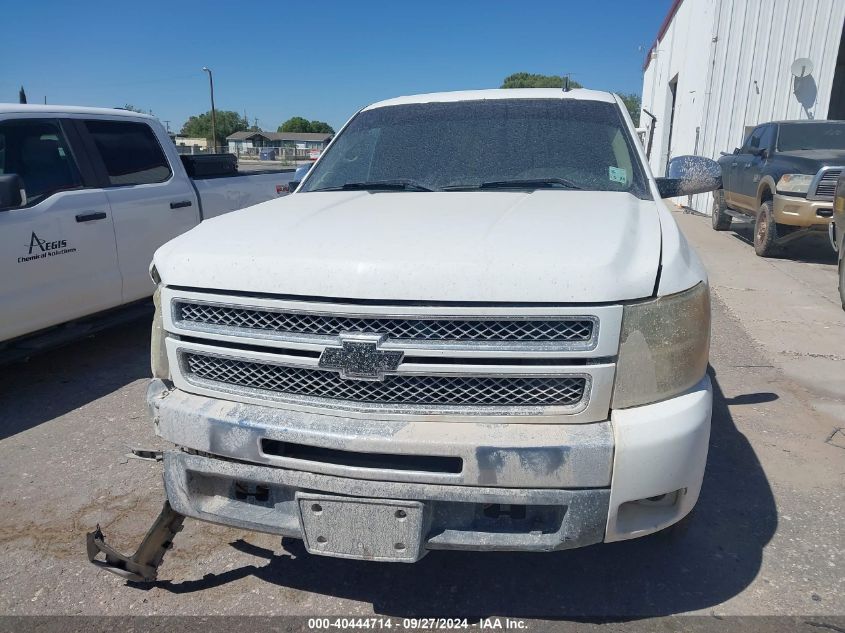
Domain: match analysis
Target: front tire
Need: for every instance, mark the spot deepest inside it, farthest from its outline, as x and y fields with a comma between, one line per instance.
x=720, y=218
x=765, y=231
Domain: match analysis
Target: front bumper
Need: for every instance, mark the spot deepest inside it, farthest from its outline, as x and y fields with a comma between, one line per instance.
x=798, y=211
x=550, y=486
x=263, y=499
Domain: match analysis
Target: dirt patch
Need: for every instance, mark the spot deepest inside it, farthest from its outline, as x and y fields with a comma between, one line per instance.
x=124, y=517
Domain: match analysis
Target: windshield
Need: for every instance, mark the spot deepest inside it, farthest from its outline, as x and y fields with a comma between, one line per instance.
x=554, y=143
x=811, y=136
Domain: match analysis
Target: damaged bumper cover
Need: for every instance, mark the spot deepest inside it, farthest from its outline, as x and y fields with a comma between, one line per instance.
x=468, y=485
x=264, y=499
x=470, y=454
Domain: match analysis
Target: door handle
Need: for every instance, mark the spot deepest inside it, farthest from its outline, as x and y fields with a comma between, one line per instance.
x=91, y=216
x=181, y=204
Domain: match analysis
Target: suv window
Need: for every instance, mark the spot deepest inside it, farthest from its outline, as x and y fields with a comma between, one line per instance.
x=38, y=152
x=466, y=144
x=130, y=152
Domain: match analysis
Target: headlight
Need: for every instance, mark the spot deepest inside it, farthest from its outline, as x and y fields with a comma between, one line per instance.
x=158, y=352
x=664, y=347
x=794, y=183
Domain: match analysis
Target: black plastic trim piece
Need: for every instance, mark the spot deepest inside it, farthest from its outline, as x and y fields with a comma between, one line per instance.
x=381, y=461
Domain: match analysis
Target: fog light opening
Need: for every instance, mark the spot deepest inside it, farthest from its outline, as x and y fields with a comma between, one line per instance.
x=650, y=513
x=667, y=499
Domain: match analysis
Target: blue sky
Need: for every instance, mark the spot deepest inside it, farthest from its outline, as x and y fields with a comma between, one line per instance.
x=313, y=58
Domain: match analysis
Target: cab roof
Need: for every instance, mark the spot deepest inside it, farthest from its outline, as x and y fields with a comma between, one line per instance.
x=581, y=94
x=32, y=108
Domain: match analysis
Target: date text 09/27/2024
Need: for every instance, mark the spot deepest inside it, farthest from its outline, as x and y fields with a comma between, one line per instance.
x=415, y=623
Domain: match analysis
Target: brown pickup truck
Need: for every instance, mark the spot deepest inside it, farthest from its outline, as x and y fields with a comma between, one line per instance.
x=783, y=176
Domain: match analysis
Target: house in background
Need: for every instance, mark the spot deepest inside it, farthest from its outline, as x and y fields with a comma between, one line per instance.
x=190, y=144
x=719, y=67
x=294, y=144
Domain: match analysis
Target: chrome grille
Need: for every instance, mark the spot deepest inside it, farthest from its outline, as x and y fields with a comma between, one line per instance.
x=409, y=390
x=561, y=329
x=827, y=184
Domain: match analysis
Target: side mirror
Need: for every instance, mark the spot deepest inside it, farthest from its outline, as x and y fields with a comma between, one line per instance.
x=12, y=194
x=686, y=175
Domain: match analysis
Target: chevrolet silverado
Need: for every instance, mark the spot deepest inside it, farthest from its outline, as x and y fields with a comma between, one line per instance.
x=474, y=325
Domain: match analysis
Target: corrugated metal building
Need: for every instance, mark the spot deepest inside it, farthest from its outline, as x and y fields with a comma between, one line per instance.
x=719, y=67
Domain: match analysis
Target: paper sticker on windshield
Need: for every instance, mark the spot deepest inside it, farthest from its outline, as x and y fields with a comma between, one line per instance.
x=617, y=174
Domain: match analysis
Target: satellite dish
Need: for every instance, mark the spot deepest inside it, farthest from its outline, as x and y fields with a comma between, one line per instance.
x=802, y=67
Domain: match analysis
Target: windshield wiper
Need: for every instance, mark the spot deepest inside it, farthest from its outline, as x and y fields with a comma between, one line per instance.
x=532, y=183
x=378, y=185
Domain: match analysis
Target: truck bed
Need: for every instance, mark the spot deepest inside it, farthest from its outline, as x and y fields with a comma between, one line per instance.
x=222, y=194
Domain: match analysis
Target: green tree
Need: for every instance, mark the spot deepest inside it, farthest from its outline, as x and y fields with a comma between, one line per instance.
x=321, y=127
x=295, y=124
x=632, y=102
x=228, y=122
x=301, y=124
x=531, y=80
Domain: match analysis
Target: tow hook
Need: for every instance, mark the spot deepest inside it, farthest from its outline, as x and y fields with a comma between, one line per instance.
x=143, y=565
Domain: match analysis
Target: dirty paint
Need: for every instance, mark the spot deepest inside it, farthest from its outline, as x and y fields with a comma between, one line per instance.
x=520, y=455
x=198, y=487
x=530, y=462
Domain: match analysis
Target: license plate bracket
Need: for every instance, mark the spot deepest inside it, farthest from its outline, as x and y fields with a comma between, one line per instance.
x=359, y=528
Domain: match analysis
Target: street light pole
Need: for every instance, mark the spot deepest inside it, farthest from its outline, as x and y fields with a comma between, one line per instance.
x=213, y=114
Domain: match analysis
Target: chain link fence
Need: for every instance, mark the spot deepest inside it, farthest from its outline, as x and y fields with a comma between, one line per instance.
x=278, y=155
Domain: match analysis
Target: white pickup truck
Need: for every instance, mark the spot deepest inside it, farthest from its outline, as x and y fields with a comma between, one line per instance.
x=86, y=197
x=474, y=325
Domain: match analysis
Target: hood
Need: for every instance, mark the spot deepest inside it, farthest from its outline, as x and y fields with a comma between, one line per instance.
x=830, y=156
x=542, y=246
x=809, y=161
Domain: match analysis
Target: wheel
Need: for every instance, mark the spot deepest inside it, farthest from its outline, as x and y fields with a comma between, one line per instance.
x=842, y=282
x=720, y=218
x=765, y=231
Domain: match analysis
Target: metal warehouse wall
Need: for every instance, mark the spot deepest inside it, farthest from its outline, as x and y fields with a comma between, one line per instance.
x=731, y=60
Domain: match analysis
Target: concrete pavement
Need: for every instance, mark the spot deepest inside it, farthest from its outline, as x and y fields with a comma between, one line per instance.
x=789, y=305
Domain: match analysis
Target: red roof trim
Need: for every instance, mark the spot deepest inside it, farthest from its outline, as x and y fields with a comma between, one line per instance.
x=660, y=33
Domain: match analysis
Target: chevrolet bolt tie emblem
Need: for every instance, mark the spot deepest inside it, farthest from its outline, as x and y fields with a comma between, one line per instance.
x=359, y=357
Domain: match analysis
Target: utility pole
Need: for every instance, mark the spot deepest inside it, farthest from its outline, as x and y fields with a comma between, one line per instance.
x=213, y=113
x=167, y=126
